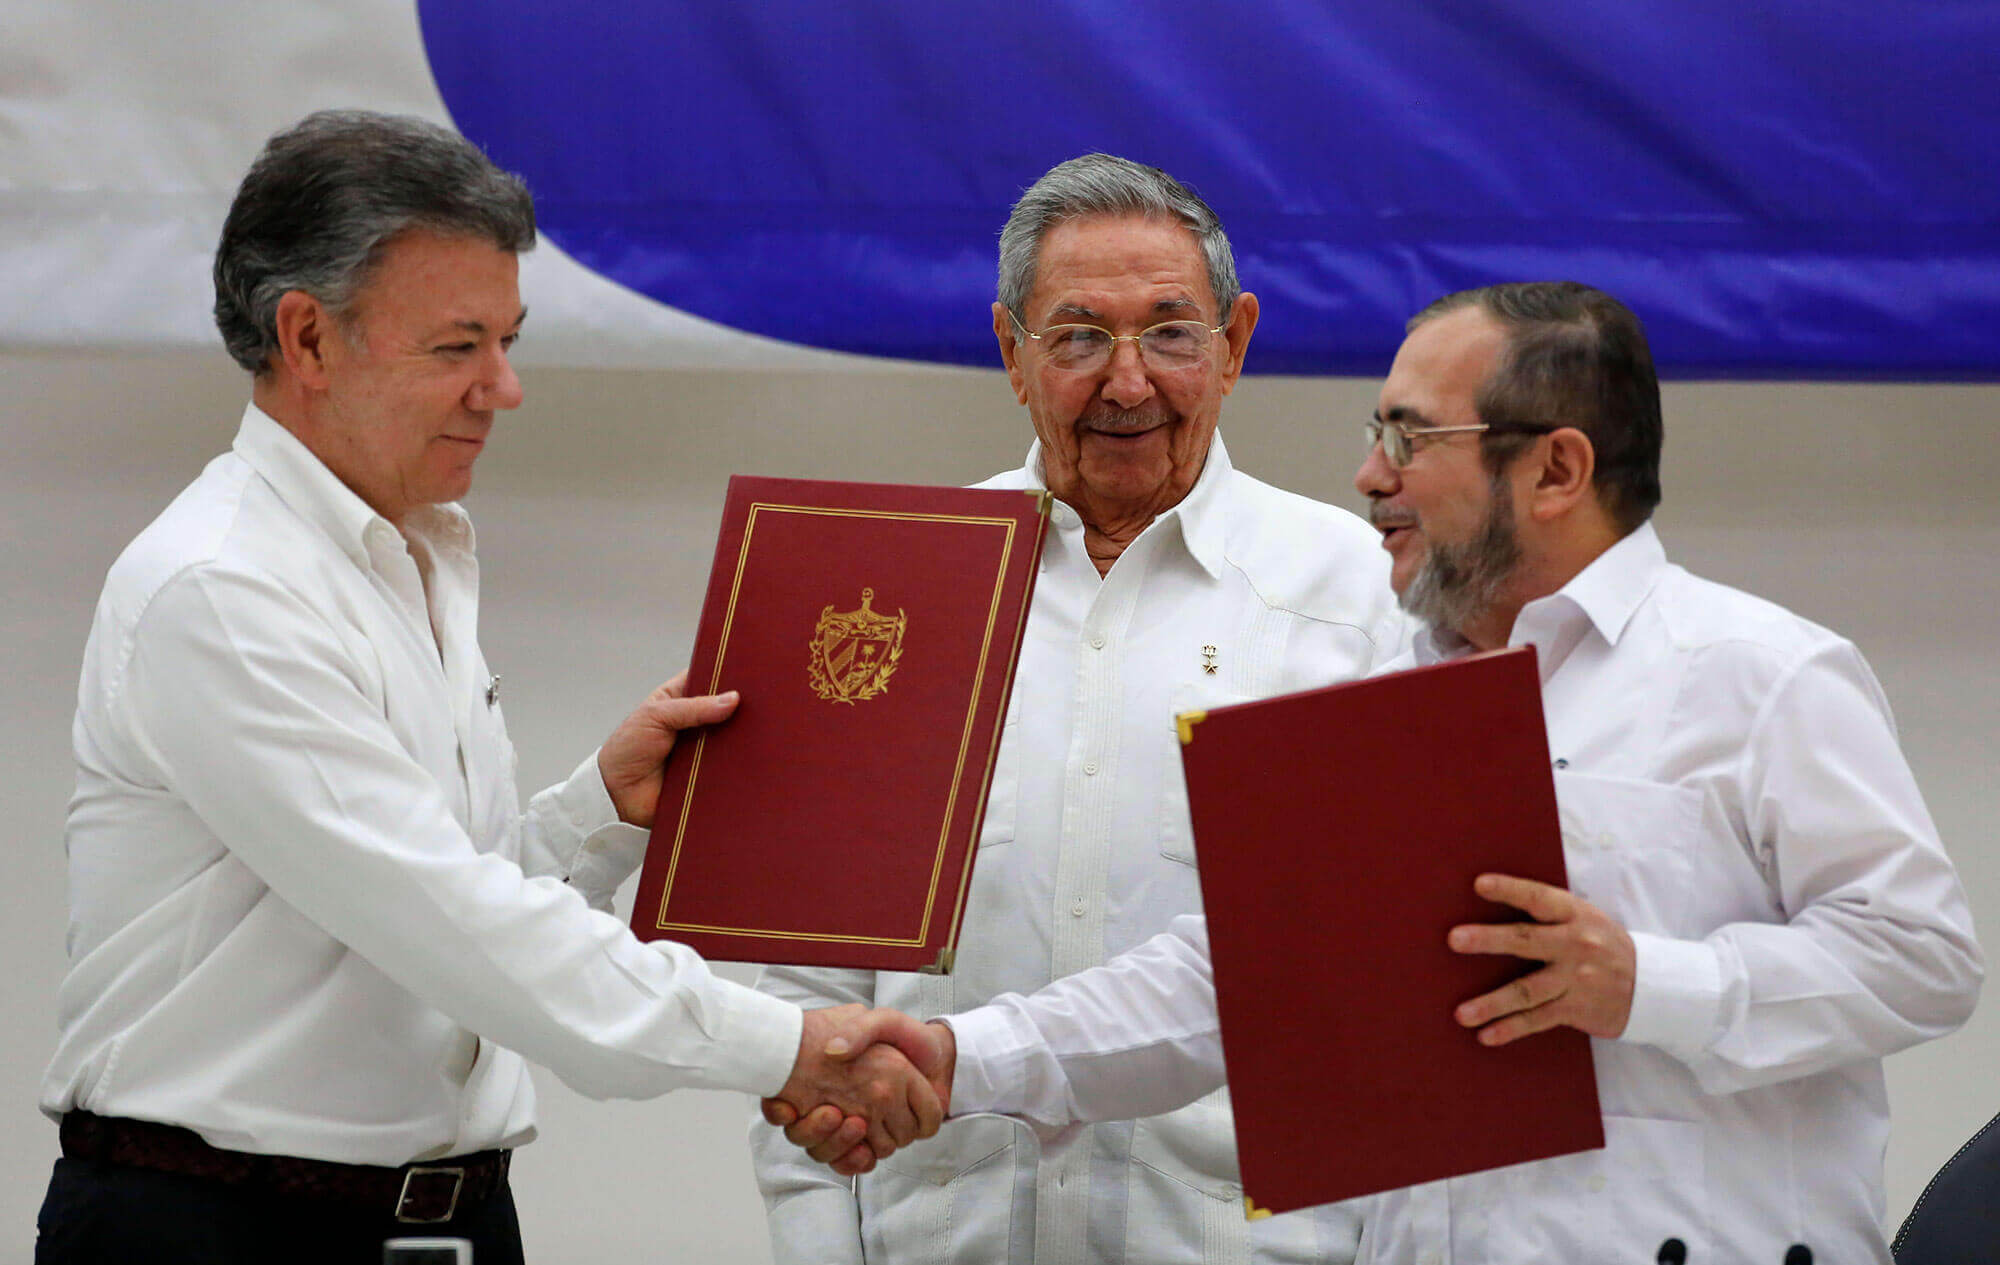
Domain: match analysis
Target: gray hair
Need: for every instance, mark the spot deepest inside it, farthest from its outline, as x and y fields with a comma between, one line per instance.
x=1101, y=184
x=326, y=197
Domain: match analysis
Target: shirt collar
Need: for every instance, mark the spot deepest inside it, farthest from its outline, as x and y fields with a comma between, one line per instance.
x=316, y=494
x=1200, y=516
x=1607, y=593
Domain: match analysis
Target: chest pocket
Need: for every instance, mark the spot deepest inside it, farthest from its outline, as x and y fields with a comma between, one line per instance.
x=958, y=1148
x=1175, y=833
x=1629, y=846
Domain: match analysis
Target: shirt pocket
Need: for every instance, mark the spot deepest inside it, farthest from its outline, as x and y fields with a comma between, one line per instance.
x=1175, y=832
x=1629, y=847
x=958, y=1148
x=1182, y=1186
x=1623, y=1202
x=1184, y=1199
x=1003, y=789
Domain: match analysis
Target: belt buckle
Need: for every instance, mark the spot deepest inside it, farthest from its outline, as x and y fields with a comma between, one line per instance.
x=415, y=1171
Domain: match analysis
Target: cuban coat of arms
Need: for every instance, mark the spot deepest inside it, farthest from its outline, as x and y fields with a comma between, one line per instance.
x=854, y=653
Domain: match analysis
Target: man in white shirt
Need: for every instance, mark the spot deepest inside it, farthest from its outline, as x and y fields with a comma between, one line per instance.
x=312, y=933
x=1169, y=580
x=1760, y=909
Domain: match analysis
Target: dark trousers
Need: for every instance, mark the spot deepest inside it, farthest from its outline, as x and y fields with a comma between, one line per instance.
x=101, y=1214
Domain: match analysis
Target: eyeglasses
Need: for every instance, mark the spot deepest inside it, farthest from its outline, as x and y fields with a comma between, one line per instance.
x=1163, y=348
x=1396, y=437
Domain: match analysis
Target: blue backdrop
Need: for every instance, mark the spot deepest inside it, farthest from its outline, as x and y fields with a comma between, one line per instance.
x=1781, y=189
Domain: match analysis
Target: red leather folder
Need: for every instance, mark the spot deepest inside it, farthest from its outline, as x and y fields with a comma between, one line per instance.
x=873, y=631
x=1338, y=833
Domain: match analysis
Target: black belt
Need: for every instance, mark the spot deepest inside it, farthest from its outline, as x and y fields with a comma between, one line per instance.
x=414, y=1193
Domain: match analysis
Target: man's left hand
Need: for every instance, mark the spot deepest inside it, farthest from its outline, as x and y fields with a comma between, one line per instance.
x=633, y=760
x=1588, y=964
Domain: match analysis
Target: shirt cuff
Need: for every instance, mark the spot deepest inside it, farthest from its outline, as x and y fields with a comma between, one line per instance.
x=610, y=849
x=1676, y=994
x=766, y=1032
x=585, y=803
x=989, y=1074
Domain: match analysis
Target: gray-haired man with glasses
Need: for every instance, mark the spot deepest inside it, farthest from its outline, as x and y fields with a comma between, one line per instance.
x=1169, y=580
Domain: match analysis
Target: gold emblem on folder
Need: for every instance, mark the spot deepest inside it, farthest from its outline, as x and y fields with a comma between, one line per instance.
x=854, y=653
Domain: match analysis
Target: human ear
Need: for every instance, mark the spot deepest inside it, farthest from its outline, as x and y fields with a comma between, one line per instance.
x=1010, y=351
x=1242, y=321
x=1565, y=476
x=304, y=325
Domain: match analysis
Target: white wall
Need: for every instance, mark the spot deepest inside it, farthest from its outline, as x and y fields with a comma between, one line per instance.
x=1867, y=508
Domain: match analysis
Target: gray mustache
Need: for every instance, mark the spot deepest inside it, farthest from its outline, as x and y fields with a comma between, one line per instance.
x=1145, y=417
x=1382, y=517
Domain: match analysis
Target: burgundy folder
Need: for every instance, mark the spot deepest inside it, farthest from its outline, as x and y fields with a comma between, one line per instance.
x=1338, y=832
x=873, y=631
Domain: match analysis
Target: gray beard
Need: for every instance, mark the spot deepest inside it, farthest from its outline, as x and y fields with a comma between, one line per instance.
x=1457, y=583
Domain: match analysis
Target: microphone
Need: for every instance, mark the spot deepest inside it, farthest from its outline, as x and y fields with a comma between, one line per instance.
x=1798, y=1254
x=1674, y=1252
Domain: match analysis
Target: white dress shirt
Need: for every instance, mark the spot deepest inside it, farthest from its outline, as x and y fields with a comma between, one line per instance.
x=307, y=914
x=1732, y=792
x=1241, y=591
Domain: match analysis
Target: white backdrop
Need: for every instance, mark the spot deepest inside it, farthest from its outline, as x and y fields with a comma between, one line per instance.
x=124, y=129
x=1868, y=508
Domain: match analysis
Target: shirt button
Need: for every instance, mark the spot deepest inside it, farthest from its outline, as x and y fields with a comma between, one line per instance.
x=1080, y=908
x=1596, y=1183
x=1097, y=643
x=1090, y=770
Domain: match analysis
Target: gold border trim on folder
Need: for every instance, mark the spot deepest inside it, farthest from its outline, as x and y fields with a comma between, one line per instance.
x=1184, y=724
x=1009, y=526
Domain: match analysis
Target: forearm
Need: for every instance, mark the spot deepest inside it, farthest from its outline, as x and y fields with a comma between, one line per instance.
x=251, y=710
x=1873, y=949
x=1135, y=1037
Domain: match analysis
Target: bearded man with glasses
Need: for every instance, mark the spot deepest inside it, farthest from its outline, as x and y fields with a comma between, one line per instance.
x=1759, y=909
x=1169, y=581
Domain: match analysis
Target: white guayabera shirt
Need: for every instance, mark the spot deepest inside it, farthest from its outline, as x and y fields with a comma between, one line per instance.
x=1731, y=791
x=1240, y=591
x=307, y=914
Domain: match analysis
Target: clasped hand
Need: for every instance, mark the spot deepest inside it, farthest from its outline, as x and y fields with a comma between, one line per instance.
x=866, y=1082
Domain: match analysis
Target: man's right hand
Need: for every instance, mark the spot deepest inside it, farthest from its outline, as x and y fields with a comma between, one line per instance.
x=844, y=1142
x=873, y=1073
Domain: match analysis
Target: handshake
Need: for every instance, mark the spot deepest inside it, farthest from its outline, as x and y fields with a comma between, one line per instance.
x=866, y=1082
